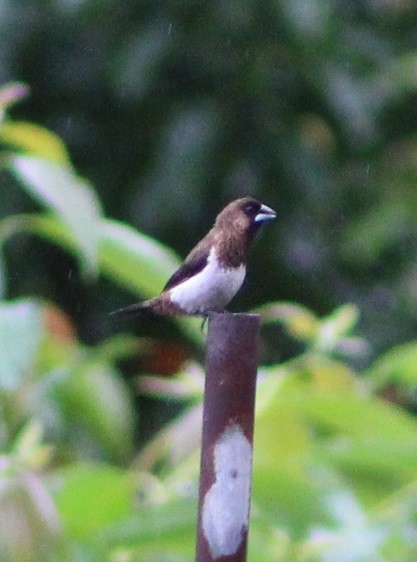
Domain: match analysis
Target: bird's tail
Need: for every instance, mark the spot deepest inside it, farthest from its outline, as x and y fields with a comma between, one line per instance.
x=135, y=309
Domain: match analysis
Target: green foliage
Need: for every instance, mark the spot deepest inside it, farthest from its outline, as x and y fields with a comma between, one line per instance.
x=75, y=394
x=171, y=109
x=335, y=464
x=59, y=188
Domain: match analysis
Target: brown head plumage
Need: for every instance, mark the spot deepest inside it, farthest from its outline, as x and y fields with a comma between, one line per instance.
x=236, y=226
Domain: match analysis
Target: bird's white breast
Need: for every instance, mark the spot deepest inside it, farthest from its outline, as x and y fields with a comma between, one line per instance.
x=209, y=290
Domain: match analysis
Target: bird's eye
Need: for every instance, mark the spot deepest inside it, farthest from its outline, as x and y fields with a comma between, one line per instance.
x=250, y=208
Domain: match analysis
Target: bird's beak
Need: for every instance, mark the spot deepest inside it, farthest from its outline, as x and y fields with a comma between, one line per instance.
x=265, y=214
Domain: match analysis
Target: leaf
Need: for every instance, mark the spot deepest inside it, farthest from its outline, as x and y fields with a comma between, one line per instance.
x=134, y=259
x=30, y=529
x=371, y=442
x=317, y=430
x=170, y=521
x=90, y=497
x=378, y=436
x=95, y=396
x=283, y=487
x=333, y=328
x=268, y=543
x=21, y=332
x=10, y=94
x=351, y=538
x=129, y=257
x=121, y=346
x=71, y=198
x=35, y=140
x=300, y=322
x=29, y=451
x=398, y=365
x=47, y=226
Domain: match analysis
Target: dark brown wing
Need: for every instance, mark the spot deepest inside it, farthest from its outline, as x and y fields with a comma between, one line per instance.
x=194, y=263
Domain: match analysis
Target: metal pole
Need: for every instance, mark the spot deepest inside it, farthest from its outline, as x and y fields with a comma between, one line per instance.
x=226, y=450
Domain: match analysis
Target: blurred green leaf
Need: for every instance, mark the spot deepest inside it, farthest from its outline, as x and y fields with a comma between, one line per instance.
x=282, y=485
x=300, y=322
x=184, y=151
x=94, y=395
x=185, y=385
x=327, y=334
x=397, y=366
x=336, y=326
x=168, y=527
x=71, y=198
x=176, y=445
x=318, y=94
x=377, y=435
x=121, y=346
x=361, y=436
x=131, y=258
x=21, y=332
x=29, y=451
x=397, y=514
x=34, y=140
x=46, y=226
x=357, y=538
x=268, y=543
x=134, y=259
x=315, y=429
x=10, y=94
x=29, y=526
x=90, y=497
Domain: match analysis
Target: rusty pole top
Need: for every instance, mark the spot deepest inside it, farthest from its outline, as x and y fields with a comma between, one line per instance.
x=226, y=451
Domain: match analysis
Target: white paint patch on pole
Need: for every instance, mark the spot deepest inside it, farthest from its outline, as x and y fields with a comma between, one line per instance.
x=226, y=505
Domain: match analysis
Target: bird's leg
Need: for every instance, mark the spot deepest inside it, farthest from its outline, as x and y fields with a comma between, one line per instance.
x=207, y=313
x=204, y=322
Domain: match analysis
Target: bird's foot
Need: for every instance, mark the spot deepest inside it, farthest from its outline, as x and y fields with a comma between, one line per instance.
x=204, y=322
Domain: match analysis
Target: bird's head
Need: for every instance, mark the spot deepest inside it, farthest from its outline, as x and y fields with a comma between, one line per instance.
x=244, y=216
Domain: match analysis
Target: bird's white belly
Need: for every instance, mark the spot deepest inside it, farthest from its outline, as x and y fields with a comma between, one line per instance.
x=209, y=290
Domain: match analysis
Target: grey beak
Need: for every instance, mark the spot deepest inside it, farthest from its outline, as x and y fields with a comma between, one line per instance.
x=265, y=214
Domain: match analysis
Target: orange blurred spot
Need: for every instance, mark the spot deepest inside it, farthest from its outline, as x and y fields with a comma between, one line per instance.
x=165, y=359
x=58, y=324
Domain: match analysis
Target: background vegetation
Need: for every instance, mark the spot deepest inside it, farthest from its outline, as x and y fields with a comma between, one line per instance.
x=155, y=115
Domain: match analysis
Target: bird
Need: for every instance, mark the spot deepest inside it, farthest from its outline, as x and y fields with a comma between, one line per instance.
x=214, y=270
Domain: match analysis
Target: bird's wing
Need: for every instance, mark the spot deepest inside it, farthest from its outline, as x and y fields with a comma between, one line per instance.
x=194, y=263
